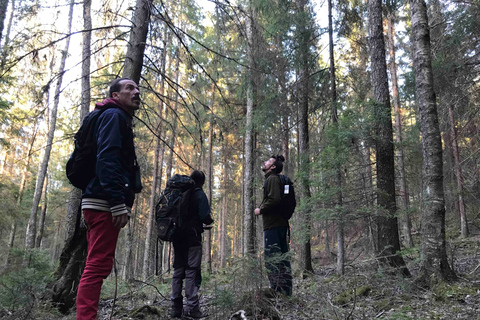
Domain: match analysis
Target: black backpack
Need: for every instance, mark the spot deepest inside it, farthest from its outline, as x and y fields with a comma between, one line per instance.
x=80, y=167
x=288, y=202
x=172, y=212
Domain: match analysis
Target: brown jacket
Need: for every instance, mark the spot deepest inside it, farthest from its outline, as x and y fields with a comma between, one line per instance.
x=272, y=194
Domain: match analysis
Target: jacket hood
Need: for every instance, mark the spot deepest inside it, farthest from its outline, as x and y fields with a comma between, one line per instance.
x=109, y=102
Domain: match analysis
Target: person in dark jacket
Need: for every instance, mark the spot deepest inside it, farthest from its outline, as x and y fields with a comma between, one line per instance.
x=188, y=256
x=275, y=228
x=109, y=196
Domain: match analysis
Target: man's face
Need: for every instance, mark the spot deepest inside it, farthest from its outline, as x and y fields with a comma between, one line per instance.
x=268, y=165
x=129, y=95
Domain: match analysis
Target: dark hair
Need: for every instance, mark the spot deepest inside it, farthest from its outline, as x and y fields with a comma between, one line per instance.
x=115, y=86
x=198, y=177
x=279, y=160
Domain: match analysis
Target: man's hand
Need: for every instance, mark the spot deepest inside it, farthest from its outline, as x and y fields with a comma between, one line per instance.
x=257, y=211
x=120, y=221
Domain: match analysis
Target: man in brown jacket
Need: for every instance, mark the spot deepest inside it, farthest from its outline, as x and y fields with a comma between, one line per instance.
x=275, y=228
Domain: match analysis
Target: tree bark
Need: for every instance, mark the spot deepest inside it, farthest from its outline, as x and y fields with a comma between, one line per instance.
x=387, y=225
x=208, y=233
x=303, y=138
x=174, y=117
x=138, y=37
x=21, y=192
x=43, y=214
x=86, y=56
x=3, y=14
x=250, y=223
x=338, y=202
x=5, y=50
x=72, y=258
x=133, y=69
x=31, y=227
x=458, y=173
x=11, y=241
x=147, y=257
x=74, y=253
x=433, y=244
x=128, y=270
x=283, y=102
x=156, y=181
x=157, y=171
x=56, y=241
x=402, y=180
x=223, y=229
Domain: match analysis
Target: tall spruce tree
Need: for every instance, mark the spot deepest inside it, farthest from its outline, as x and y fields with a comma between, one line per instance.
x=304, y=40
x=250, y=225
x=433, y=243
x=387, y=226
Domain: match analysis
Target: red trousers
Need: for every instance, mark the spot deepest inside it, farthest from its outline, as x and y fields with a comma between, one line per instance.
x=102, y=239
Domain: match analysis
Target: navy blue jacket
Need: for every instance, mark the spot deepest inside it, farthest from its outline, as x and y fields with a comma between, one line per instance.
x=203, y=207
x=111, y=188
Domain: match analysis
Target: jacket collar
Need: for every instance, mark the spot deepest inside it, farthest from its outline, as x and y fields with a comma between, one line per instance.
x=268, y=174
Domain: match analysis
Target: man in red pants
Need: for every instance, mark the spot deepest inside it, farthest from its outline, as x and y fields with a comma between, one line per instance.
x=109, y=196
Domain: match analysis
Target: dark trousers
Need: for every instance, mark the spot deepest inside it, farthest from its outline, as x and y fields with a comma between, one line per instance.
x=277, y=260
x=186, y=265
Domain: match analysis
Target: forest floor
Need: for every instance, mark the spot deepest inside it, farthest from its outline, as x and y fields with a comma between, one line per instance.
x=380, y=293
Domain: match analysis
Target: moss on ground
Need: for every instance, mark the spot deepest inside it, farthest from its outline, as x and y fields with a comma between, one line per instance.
x=350, y=294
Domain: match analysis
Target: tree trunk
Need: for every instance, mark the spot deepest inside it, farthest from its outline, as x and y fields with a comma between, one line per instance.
x=147, y=258
x=56, y=242
x=250, y=225
x=169, y=256
x=31, y=227
x=5, y=50
x=283, y=99
x=208, y=233
x=338, y=202
x=458, y=173
x=327, y=239
x=86, y=55
x=303, y=139
x=138, y=37
x=167, y=39
x=387, y=225
x=21, y=192
x=41, y=223
x=174, y=117
x=402, y=180
x=72, y=258
x=134, y=63
x=432, y=247
x=128, y=270
x=11, y=241
x=157, y=172
x=74, y=253
x=3, y=14
x=223, y=229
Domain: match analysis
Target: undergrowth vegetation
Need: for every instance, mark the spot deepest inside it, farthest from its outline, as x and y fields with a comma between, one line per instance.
x=368, y=290
x=24, y=283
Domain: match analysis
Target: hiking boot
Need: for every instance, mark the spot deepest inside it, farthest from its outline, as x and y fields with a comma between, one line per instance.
x=176, y=308
x=176, y=313
x=195, y=313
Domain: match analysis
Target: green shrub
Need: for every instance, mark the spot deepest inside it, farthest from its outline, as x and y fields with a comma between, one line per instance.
x=22, y=285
